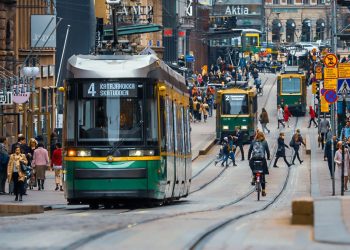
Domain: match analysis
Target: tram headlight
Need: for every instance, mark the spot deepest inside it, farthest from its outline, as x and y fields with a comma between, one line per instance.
x=244, y=127
x=139, y=152
x=225, y=127
x=79, y=153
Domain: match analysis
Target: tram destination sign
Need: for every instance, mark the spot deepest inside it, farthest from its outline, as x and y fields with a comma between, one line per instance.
x=109, y=89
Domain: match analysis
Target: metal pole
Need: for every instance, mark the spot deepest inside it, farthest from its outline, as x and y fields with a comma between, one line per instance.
x=333, y=149
x=342, y=169
x=115, y=30
x=62, y=57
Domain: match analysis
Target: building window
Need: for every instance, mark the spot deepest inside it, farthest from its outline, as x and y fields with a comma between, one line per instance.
x=276, y=1
x=306, y=2
x=321, y=1
x=290, y=1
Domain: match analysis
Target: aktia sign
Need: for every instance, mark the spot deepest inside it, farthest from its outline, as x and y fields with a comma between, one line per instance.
x=237, y=10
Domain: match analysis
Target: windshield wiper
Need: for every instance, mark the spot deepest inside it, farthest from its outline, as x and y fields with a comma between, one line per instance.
x=114, y=150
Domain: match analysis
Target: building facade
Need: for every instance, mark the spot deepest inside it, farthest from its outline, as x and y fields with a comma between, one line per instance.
x=288, y=21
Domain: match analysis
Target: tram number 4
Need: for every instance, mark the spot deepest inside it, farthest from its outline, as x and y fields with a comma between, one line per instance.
x=91, y=90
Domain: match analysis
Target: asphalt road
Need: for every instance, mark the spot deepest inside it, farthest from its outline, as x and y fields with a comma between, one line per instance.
x=219, y=196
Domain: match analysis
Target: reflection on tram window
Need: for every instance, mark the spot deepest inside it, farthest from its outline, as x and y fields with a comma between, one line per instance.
x=110, y=119
x=290, y=85
x=234, y=104
x=252, y=41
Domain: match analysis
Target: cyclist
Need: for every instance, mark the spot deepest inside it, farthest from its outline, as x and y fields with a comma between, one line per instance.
x=257, y=151
x=257, y=80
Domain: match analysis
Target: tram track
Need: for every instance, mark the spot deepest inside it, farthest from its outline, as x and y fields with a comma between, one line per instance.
x=202, y=239
x=113, y=229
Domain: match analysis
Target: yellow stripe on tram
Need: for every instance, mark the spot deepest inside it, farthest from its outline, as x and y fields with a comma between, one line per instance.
x=105, y=159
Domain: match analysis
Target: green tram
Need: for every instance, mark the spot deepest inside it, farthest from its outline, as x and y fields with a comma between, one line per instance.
x=291, y=90
x=236, y=107
x=127, y=131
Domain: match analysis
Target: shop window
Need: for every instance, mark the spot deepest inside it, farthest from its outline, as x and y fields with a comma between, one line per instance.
x=321, y=1
x=306, y=2
x=290, y=1
x=276, y=1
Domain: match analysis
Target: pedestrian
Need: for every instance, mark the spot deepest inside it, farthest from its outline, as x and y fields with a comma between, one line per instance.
x=225, y=152
x=211, y=105
x=232, y=150
x=205, y=109
x=295, y=143
x=286, y=115
x=345, y=132
x=53, y=141
x=4, y=159
x=264, y=120
x=33, y=144
x=239, y=139
x=281, y=151
x=338, y=159
x=312, y=114
x=15, y=173
x=40, y=163
x=21, y=141
x=323, y=129
x=328, y=152
x=280, y=116
x=56, y=162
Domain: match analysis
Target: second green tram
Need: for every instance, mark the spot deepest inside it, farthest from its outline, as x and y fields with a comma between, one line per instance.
x=236, y=107
x=291, y=90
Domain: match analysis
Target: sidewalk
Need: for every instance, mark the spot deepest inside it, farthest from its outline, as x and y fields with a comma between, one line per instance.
x=331, y=213
x=202, y=136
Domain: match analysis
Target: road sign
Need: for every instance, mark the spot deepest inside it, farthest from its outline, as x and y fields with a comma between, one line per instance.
x=6, y=99
x=318, y=69
x=323, y=91
x=330, y=73
x=330, y=60
x=189, y=58
x=343, y=86
x=324, y=105
x=330, y=96
x=314, y=88
x=318, y=76
x=330, y=84
x=344, y=70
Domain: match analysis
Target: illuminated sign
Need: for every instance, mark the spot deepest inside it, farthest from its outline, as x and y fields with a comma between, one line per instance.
x=110, y=89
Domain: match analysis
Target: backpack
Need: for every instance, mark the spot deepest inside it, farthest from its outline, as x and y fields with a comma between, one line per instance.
x=258, y=151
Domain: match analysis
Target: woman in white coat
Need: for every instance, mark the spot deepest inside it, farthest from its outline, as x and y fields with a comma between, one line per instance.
x=338, y=160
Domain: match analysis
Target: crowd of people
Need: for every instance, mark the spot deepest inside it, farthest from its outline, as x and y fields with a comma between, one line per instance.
x=25, y=165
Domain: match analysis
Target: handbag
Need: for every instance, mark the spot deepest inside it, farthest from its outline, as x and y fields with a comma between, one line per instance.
x=23, y=166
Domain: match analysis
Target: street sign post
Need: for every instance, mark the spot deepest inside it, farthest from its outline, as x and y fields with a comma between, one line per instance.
x=330, y=60
x=344, y=70
x=324, y=105
x=343, y=86
x=330, y=73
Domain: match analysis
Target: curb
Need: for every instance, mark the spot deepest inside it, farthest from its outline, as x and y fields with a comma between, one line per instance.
x=15, y=209
x=206, y=149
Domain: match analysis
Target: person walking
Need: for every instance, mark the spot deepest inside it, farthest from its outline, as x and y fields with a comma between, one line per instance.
x=15, y=173
x=210, y=102
x=323, y=129
x=286, y=115
x=239, y=138
x=21, y=141
x=232, y=150
x=205, y=109
x=312, y=114
x=32, y=146
x=264, y=120
x=281, y=151
x=40, y=163
x=57, y=166
x=295, y=143
x=338, y=159
x=4, y=160
x=328, y=152
x=280, y=116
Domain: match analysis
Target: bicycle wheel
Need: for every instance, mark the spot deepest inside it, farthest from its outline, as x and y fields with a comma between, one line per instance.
x=258, y=189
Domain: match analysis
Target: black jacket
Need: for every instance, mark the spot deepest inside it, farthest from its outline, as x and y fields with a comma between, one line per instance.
x=281, y=149
x=328, y=149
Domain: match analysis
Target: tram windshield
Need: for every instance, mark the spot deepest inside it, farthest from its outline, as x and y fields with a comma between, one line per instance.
x=110, y=112
x=291, y=85
x=234, y=104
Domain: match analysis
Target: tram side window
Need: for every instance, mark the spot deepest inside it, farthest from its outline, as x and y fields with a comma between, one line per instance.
x=251, y=41
x=255, y=104
x=151, y=115
x=169, y=126
x=70, y=112
x=234, y=104
x=291, y=85
x=163, y=128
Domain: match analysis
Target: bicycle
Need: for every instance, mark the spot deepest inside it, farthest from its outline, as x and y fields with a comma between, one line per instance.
x=258, y=173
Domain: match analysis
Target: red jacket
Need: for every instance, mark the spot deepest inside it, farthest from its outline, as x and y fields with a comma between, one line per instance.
x=312, y=113
x=57, y=157
x=286, y=114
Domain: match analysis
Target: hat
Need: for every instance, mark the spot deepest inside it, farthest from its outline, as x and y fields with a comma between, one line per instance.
x=225, y=139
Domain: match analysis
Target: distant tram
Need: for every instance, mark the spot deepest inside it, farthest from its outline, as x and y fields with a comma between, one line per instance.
x=127, y=133
x=291, y=90
x=230, y=43
x=236, y=107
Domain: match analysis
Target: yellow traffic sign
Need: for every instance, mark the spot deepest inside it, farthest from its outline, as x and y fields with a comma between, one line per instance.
x=318, y=76
x=330, y=84
x=330, y=60
x=330, y=73
x=324, y=105
x=314, y=88
x=318, y=69
x=344, y=70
